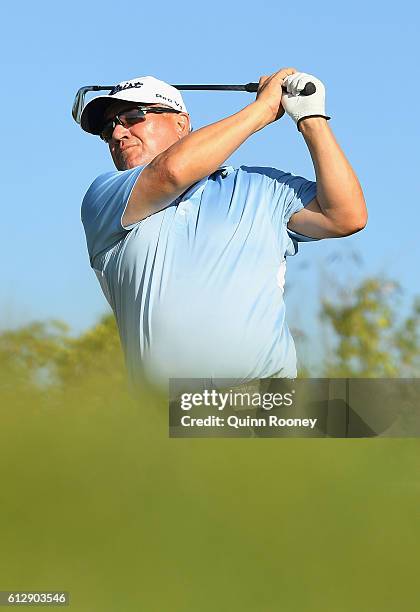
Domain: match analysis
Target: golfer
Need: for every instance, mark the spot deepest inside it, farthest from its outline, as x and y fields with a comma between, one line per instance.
x=191, y=253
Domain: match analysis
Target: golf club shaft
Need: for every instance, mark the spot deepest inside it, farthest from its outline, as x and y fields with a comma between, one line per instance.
x=250, y=87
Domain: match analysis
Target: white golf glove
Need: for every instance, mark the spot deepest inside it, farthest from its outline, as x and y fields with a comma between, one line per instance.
x=301, y=107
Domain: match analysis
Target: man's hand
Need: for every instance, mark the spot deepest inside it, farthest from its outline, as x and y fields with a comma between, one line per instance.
x=299, y=107
x=270, y=93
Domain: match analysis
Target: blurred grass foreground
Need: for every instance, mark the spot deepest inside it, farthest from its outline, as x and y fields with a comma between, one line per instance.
x=98, y=501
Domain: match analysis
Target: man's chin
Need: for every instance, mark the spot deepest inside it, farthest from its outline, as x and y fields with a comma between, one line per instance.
x=133, y=162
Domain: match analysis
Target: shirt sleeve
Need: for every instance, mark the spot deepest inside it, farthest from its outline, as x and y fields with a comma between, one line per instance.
x=286, y=194
x=103, y=208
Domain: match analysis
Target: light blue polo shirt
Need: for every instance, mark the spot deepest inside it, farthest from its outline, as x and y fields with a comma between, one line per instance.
x=197, y=288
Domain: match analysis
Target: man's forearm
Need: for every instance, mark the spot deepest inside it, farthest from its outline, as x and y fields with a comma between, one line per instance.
x=339, y=193
x=203, y=151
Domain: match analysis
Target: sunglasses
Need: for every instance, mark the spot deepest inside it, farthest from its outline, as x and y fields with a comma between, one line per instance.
x=131, y=117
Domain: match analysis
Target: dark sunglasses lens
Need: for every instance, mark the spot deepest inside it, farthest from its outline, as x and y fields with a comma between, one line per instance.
x=106, y=133
x=132, y=116
x=126, y=118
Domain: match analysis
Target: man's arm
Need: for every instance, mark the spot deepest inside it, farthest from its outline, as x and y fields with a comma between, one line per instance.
x=201, y=152
x=189, y=160
x=339, y=208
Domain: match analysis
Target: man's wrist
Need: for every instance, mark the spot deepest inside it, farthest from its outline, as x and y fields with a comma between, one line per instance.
x=308, y=124
x=262, y=113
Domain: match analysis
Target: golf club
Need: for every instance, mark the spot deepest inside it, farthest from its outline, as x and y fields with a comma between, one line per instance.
x=79, y=100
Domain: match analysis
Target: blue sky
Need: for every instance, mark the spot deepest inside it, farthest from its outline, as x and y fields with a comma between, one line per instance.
x=364, y=52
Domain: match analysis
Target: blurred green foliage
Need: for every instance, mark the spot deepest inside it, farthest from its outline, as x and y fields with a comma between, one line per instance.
x=43, y=355
x=97, y=500
x=371, y=339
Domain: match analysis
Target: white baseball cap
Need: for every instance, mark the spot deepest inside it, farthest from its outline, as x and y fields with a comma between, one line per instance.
x=142, y=90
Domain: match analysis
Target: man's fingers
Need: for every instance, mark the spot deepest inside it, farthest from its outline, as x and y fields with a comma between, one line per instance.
x=270, y=91
x=284, y=73
x=279, y=75
x=295, y=83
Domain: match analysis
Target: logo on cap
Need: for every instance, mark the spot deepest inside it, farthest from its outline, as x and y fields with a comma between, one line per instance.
x=117, y=88
x=158, y=95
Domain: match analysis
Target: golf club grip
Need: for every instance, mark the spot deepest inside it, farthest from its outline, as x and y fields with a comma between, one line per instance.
x=308, y=90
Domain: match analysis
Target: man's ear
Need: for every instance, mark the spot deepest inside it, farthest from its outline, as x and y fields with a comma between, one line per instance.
x=182, y=124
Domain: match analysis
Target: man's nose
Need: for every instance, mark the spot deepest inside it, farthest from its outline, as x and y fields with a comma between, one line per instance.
x=120, y=132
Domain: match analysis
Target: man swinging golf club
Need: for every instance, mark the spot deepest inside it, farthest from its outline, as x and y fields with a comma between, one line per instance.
x=191, y=253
